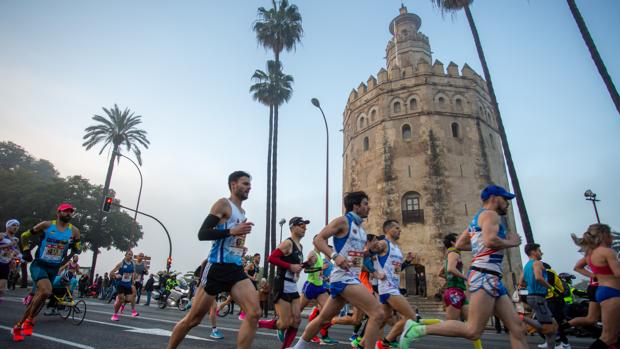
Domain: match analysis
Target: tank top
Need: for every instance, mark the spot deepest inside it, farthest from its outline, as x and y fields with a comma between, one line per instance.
x=606, y=270
x=453, y=280
x=390, y=263
x=290, y=278
x=484, y=257
x=534, y=287
x=229, y=249
x=350, y=247
x=54, y=245
x=7, y=254
x=316, y=278
x=126, y=270
x=139, y=269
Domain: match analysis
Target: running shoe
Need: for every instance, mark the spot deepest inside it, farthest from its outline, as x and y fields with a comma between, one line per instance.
x=27, y=327
x=542, y=346
x=281, y=335
x=316, y=340
x=242, y=316
x=356, y=343
x=394, y=344
x=564, y=346
x=18, y=335
x=411, y=332
x=381, y=345
x=114, y=317
x=134, y=313
x=328, y=341
x=216, y=334
x=353, y=337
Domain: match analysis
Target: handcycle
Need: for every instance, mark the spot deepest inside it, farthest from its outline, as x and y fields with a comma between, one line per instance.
x=227, y=305
x=66, y=306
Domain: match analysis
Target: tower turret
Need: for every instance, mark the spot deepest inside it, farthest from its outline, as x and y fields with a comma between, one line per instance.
x=407, y=46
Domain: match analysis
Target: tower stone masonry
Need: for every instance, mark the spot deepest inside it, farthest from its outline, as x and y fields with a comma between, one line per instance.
x=422, y=141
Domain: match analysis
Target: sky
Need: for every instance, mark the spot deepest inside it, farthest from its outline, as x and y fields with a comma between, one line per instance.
x=185, y=67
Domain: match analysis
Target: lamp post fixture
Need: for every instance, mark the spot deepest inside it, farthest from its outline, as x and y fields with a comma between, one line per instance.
x=590, y=196
x=281, y=222
x=317, y=104
x=135, y=226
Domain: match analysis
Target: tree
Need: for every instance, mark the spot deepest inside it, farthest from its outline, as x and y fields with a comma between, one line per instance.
x=275, y=88
x=596, y=57
x=453, y=6
x=277, y=29
x=117, y=130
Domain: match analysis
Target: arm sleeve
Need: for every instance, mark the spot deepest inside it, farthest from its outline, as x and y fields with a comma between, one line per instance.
x=368, y=264
x=208, y=232
x=275, y=258
x=76, y=246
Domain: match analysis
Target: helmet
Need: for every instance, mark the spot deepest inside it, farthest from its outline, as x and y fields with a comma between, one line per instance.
x=567, y=277
x=66, y=278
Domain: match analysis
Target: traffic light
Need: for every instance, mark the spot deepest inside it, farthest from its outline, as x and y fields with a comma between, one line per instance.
x=107, y=203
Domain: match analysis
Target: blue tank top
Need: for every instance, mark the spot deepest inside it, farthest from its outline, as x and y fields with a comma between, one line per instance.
x=484, y=257
x=229, y=249
x=126, y=270
x=533, y=286
x=54, y=245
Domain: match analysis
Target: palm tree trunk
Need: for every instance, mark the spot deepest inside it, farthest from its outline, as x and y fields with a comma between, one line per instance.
x=106, y=189
x=274, y=179
x=596, y=57
x=268, y=216
x=527, y=228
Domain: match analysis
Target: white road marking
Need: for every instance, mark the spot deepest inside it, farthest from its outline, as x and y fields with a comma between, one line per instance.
x=54, y=339
x=154, y=331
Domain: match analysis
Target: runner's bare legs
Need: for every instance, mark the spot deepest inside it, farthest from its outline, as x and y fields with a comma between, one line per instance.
x=244, y=294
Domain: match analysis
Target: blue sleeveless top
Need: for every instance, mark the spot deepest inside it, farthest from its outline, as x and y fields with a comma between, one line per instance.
x=229, y=249
x=533, y=286
x=484, y=257
x=54, y=245
x=126, y=271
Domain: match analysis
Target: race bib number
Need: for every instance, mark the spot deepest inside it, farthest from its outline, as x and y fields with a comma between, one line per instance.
x=396, y=265
x=126, y=277
x=356, y=258
x=53, y=252
x=238, y=246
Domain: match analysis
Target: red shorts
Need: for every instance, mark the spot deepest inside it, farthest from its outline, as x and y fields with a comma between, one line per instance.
x=455, y=297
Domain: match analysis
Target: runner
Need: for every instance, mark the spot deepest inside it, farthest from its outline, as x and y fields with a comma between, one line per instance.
x=227, y=227
x=486, y=237
x=349, y=242
x=314, y=290
x=288, y=257
x=140, y=270
x=594, y=309
x=55, y=238
x=454, y=296
x=603, y=262
x=124, y=272
x=8, y=252
x=389, y=261
x=534, y=277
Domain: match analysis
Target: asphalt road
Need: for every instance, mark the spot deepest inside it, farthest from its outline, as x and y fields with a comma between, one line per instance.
x=152, y=329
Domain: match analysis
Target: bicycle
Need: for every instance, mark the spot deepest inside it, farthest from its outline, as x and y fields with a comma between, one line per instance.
x=66, y=306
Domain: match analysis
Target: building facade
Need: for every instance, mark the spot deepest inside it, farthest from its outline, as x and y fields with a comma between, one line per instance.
x=422, y=140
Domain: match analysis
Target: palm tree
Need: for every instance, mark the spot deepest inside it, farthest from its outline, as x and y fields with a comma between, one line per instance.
x=596, y=57
x=452, y=6
x=273, y=88
x=277, y=29
x=117, y=129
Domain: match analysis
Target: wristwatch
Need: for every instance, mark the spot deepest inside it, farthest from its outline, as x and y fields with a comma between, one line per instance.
x=334, y=255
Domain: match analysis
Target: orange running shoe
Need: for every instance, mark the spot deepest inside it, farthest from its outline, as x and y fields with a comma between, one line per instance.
x=18, y=336
x=27, y=327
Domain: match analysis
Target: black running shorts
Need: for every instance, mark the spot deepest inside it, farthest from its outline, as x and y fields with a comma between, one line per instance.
x=222, y=277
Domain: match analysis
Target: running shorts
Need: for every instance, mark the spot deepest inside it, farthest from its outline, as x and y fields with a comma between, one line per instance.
x=540, y=308
x=40, y=271
x=454, y=297
x=221, y=277
x=4, y=271
x=124, y=288
x=491, y=284
x=312, y=291
x=604, y=293
x=336, y=288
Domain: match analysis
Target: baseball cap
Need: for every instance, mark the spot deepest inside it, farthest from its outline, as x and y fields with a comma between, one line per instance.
x=496, y=190
x=65, y=207
x=297, y=220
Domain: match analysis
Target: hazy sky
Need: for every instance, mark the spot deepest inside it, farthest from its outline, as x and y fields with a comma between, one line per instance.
x=186, y=68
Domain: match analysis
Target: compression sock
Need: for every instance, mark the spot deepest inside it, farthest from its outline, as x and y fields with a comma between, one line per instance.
x=302, y=344
x=477, y=344
x=289, y=337
x=598, y=344
x=270, y=324
x=324, y=329
x=314, y=313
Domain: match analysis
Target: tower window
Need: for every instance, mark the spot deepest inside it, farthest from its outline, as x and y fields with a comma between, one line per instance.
x=455, y=130
x=413, y=104
x=366, y=144
x=441, y=100
x=411, y=208
x=491, y=141
x=406, y=132
x=459, y=104
x=396, y=107
x=373, y=116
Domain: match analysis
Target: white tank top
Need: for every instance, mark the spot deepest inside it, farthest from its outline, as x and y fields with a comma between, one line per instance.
x=352, y=248
x=231, y=248
x=390, y=263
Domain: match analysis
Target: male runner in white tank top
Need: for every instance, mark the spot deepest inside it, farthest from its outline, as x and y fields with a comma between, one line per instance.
x=348, y=254
x=227, y=227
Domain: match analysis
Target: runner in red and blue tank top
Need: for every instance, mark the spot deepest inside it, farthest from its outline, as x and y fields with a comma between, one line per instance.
x=486, y=237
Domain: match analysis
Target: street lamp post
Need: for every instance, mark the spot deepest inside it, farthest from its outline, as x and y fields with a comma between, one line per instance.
x=281, y=222
x=590, y=196
x=135, y=226
x=316, y=103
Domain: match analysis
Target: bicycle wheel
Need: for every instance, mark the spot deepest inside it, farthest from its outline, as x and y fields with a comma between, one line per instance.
x=182, y=303
x=64, y=310
x=78, y=312
x=162, y=301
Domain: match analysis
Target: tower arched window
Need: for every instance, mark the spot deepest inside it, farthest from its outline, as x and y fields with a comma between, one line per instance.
x=396, y=107
x=459, y=104
x=373, y=115
x=456, y=132
x=406, y=131
x=366, y=144
x=413, y=104
x=362, y=122
x=411, y=211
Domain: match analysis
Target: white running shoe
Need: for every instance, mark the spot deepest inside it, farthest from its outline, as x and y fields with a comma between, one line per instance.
x=563, y=346
x=543, y=346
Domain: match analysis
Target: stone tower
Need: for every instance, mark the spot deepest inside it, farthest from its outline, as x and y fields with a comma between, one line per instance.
x=422, y=141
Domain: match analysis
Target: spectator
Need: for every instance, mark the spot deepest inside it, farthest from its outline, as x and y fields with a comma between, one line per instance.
x=83, y=286
x=105, y=286
x=263, y=296
x=422, y=284
x=148, y=288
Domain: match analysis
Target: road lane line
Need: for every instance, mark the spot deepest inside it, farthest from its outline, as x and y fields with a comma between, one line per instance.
x=54, y=339
x=154, y=331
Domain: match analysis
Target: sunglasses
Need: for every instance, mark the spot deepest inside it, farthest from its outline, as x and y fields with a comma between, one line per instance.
x=371, y=237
